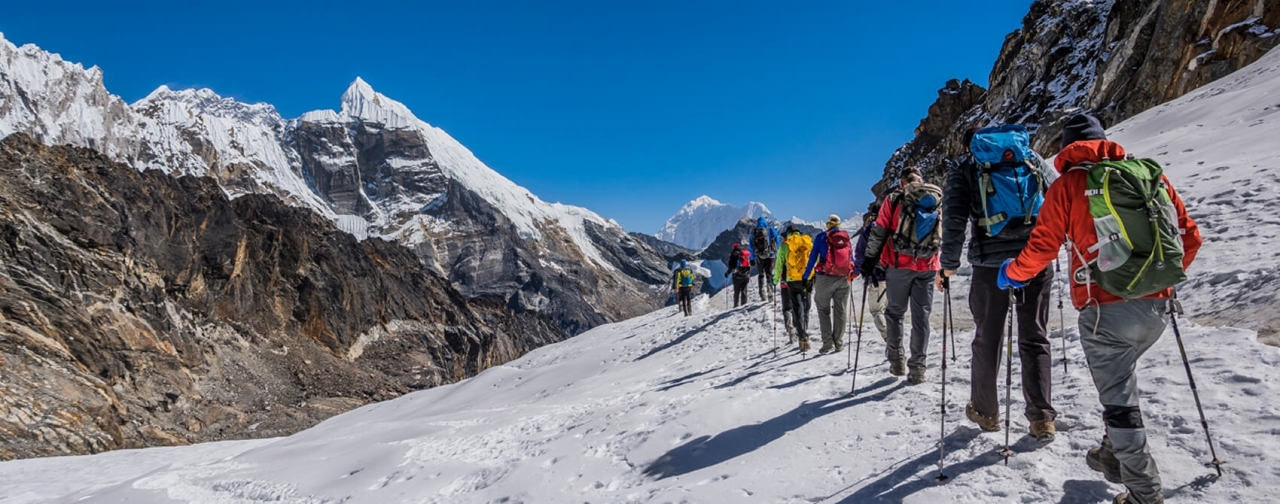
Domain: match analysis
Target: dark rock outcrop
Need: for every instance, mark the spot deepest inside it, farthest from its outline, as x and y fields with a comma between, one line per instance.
x=1115, y=58
x=139, y=309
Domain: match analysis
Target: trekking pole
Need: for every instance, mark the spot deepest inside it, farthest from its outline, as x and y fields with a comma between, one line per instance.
x=853, y=388
x=1008, y=381
x=1062, y=318
x=774, y=322
x=946, y=289
x=1175, y=309
x=848, y=352
x=942, y=431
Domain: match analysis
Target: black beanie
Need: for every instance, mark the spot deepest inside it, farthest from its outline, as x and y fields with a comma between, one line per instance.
x=1082, y=127
x=790, y=229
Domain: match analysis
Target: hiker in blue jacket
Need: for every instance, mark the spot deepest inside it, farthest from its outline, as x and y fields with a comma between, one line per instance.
x=763, y=246
x=872, y=276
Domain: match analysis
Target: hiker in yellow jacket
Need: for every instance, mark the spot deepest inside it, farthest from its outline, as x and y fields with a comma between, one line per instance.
x=793, y=256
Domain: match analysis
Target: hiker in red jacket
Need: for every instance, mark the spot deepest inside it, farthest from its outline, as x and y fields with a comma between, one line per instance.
x=1114, y=331
x=904, y=244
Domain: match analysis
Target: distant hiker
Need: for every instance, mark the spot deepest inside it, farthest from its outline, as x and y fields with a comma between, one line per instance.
x=793, y=256
x=832, y=261
x=763, y=248
x=740, y=267
x=1120, y=283
x=905, y=242
x=994, y=191
x=682, y=282
x=873, y=276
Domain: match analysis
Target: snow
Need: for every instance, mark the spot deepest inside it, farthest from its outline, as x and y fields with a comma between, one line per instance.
x=700, y=221
x=664, y=408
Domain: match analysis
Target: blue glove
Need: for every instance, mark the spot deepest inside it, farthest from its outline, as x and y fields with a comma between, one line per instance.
x=1003, y=281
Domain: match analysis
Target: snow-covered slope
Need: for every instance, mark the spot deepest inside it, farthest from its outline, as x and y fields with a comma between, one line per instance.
x=700, y=221
x=664, y=408
x=1220, y=146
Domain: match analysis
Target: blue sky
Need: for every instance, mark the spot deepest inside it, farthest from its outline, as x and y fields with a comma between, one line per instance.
x=630, y=109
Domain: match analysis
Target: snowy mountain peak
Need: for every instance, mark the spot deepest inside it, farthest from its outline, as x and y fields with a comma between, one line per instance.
x=700, y=221
x=362, y=102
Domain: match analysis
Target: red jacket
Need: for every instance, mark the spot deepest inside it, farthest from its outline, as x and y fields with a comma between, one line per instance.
x=887, y=219
x=1065, y=215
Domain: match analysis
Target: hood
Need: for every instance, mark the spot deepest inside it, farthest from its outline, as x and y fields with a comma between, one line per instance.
x=1087, y=151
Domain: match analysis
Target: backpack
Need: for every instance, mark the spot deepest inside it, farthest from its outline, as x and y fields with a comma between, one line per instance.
x=685, y=277
x=798, y=247
x=760, y=242
x=919, y=232
x=839, y=260
x=1139, y=243
x=1010, y=184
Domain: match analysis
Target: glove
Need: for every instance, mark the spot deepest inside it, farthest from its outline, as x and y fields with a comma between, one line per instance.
x=808, y=283
x=1003, y=281
x=727, y=272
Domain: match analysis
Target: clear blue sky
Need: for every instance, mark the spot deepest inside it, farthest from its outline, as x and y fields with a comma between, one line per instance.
x=628, y=108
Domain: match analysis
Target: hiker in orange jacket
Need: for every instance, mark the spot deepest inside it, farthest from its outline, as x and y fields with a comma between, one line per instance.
x=1114, y=331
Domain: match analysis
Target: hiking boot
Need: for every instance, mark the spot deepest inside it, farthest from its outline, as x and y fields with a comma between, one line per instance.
x=804, y=344
x=826, y=348
x=898, y=368
x=1103, y=459
x=916, y=376
x=839, y=348
x=988, y=424
x=1043, y=430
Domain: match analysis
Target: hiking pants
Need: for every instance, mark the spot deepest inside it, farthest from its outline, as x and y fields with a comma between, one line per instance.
x=799, y=306
x=876, y=301
x=684, y=295
x=832, y=295
x=1114, y=336
x=740, y=289
x=764, y=275
x=916, y=289
x=990, y=307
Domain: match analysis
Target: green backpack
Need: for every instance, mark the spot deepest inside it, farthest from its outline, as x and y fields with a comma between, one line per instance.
x=1139, y=243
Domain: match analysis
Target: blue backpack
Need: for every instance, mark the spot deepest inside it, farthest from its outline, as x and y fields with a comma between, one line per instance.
x=1010, y=184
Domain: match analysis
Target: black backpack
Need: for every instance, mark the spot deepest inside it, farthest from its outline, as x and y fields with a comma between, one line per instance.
x=760, y=242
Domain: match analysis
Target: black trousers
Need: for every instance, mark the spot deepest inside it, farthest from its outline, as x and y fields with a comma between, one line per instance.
x=798, y=297
x=684, y=297
x=740, y=289
x=990, y=307
x=764, y=274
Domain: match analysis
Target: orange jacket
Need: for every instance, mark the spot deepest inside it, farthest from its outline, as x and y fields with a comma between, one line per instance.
x=1065, y=215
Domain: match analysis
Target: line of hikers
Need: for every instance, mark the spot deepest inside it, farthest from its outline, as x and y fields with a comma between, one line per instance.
x=1129, y=241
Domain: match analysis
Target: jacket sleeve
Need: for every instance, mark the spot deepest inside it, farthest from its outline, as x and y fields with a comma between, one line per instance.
x=779, y=264
x=751, y=247
x=1191, y=239
x=777, y=240
x=1048, y=235
x=860, y=250
x=819, y=250
x=880, y=232
x=956, y=207
x=675, y=280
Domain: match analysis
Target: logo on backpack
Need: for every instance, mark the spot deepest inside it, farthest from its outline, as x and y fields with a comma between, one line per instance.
x=839, y=260
x=1010, y=185
x=1139, y=243
x=919, y=233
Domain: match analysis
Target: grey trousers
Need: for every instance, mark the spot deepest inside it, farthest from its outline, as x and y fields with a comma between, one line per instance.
x=876, y=301
x=832, y=295
x=1114, y=336
x=914, y=288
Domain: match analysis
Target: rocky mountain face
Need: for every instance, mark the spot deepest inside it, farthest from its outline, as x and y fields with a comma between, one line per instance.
x=371, y=167
x=1115, y=58
x=140, y=309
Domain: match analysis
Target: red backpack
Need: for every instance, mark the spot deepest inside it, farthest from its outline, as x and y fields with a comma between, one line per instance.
x=839, y=260
x=744, y=259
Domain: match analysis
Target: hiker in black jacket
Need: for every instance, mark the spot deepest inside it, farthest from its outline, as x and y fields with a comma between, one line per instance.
x=962, y=205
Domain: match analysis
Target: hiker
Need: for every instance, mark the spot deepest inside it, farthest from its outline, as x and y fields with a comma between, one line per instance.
x=830, y=265
x=682, y=282
x=740, y=267
x=793, y=256
x=763, y=246
x=874, y=281
x=1124, y=309
x=994, y=191
x=905, y=243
